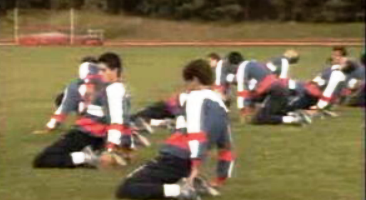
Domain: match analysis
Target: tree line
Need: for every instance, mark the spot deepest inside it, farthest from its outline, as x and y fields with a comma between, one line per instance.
x=213, y=10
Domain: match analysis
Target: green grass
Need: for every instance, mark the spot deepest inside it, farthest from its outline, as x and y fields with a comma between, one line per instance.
x=123, y=27
x=323, y=161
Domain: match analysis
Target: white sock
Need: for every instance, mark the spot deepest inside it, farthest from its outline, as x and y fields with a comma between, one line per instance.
x=171, y=190
x=78, y=158
x=156, y=122
x=288, y=119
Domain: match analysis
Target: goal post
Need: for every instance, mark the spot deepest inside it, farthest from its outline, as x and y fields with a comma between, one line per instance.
x=16, y=25
x=54, y=27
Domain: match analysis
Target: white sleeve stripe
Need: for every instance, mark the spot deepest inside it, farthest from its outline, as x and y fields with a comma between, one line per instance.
x=284, y=68
x=271, y=66
x=194, y=146
x=218, y=73
x=115, y=94
x=334, y=79
x=231, y=167
x=240, y=76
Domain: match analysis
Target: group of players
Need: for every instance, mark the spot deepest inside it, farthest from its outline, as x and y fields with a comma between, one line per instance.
x=107, y=133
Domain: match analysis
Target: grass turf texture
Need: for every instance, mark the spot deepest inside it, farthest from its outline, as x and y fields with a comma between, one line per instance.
x=124, y=27
x=323, y=161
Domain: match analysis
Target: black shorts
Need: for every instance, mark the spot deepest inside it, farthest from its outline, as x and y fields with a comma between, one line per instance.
x=58, y=153
x=146, y=182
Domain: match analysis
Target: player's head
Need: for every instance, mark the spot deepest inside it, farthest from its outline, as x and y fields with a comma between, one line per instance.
x=363, y=58
x=338, y=52
x=197, y=73
x=214, y=58
x=87, y=69
x=235, y=58
x=90, y=59
x=110, y=66
x=347, y=66
x=292, y=56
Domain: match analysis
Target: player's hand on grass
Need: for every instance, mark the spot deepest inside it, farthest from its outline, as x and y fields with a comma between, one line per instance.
x=109, y=159
x=41, y=132
x=246, y=115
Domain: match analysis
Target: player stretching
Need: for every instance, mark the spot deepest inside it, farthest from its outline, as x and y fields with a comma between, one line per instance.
x=103, y=124
x=204, y=125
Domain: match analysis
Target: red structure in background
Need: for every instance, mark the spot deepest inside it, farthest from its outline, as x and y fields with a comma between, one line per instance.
x=58, y=38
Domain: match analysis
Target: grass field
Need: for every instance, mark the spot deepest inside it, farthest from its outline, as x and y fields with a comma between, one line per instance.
x=323, y=161
x=123, y=27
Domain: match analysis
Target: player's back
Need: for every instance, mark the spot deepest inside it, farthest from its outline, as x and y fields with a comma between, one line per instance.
x=207, y=108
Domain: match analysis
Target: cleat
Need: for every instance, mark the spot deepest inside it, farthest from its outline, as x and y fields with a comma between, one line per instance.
x=141, y=124
x=119, y=159
x=140, y=140
x=187, y=192
x=305, y=117
x=329, y=113
x=91, y=158
x=203, y=188
x=298, y=120
x=111, y=159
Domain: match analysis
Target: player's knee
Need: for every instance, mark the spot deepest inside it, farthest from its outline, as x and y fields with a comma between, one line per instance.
x=259, y=118
x=40, y=161
x=124, y=190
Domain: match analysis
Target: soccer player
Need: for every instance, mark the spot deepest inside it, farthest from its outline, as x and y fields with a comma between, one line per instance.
x=205, y=124
x=353, y=94
x=221, y=70
x=75, y=96
x=338, y=53
x=103, y=125
x=325, y=89
x=256, y=84
x=158, y=114
x=280, y=65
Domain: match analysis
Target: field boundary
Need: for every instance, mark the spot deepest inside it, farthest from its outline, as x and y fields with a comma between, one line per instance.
x=218, y=43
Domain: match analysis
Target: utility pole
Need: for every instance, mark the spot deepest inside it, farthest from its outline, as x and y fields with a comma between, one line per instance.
x=72, y=25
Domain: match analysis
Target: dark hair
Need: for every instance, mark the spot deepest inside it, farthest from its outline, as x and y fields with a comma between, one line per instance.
x=200, y=69
x=214, y=56
x=349, y=67
x=112, y=61
x=294, y=60
x=342, y=49
x=235, y=58
x=90, y=59
x=363, y=58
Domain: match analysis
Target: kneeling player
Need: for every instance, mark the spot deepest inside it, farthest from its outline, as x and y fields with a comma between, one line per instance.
x=205, y=124
x=103, y=124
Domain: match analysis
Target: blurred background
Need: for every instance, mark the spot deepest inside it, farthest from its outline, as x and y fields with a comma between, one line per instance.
x=184, y=20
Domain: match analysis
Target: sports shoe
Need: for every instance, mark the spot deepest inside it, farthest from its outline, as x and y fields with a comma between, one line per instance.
x=329, y=113
x=305, y=117
x=170, y=124
x=203, y=188
x=91, y=158
x=141, y=124
x=119, y=159
x=140, y=140
x=187, y=192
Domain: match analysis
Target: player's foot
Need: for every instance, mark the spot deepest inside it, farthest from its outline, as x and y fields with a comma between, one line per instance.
x=140, y=140
x=143, y=125
x=329, y=113
x=203, y=187
x=187, y=192
x=120, y=159
x=169, y=124
x=305, y=117
x=91, y=158
x=300, y=119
